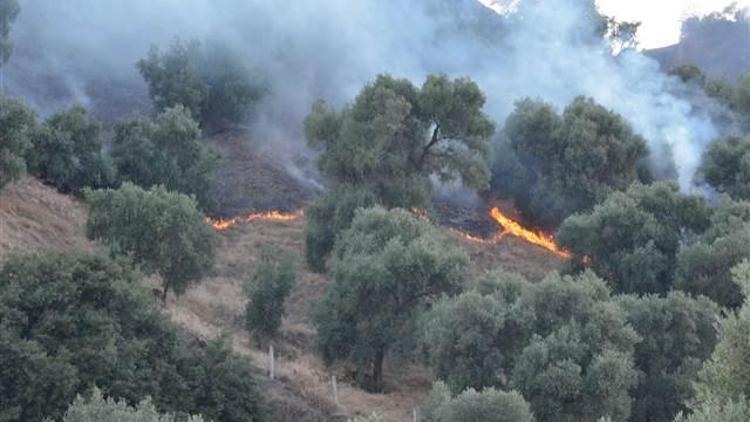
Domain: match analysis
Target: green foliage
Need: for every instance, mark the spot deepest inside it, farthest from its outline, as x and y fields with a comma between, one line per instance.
x=476, y=336
x=390, y=141
x=9, y=10
x=554, y=165
x=330, y=215
x=267, y=291
x=69, y=322
x=385, y=266
x=726, y=166
x=67, y=152
x=562, y=343
x=209, y=81
x=677, y=335
x=718, y=410
x=166, y=151
x=703, y=266
x=724, y=380
x=632, y=238
x=163, y=231
x=17, y=123
x=689, y=74
x=97, y=408
x=488, y=405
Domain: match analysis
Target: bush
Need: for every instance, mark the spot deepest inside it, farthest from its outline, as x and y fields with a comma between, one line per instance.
x=386, y=265
x=166, y=151
x=267, y=291
x=69, y=322
x=553, y=165
x=67, y=152
x=163, y=231
x=488, y=405
x=210, y=81
x=17, y=123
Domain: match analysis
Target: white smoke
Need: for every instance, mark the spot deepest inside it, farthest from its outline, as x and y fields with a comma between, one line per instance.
x=330, y=48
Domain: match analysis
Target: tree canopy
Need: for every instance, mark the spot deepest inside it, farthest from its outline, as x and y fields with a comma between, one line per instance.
x=97, y=408
x=163, y=231
x=209, y=80
x=267, y=290
x=726, y=166
x=17, y=124
x=72, y=321
x=384, y=147
x=386, y=265
x=9, y=10
x=488, y=405
x=553, y=165
x=632, y=238
x=67, y=152
x=166, y=150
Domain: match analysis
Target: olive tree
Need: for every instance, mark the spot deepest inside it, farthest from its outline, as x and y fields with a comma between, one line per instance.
x=554, y=165
x=724, y=381
x=67, y=152
x=385, y=266
x=704, y=264
x=394, y=136
x=726, y=166
x=17, y=123
x=632, y=238
x=72, y=321
x=677, y=336
x=163, y=231
x=96, y=408
x=267, y=290
x=166, y=150
x=209, y=80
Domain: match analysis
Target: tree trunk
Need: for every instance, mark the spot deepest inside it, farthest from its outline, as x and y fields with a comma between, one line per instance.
x=164, y=293
x=377, y=370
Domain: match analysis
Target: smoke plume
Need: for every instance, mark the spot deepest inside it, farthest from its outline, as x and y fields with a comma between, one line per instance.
x=84, y=51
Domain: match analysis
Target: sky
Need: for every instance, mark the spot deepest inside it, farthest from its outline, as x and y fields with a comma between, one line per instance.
x=660, y=19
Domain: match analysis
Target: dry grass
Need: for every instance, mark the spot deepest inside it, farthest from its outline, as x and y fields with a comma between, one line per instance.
x=34, y=217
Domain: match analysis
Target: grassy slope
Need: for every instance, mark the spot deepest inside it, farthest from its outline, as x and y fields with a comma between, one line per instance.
x=34, y=217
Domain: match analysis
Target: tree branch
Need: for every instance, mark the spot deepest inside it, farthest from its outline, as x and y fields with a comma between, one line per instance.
x=435, y=139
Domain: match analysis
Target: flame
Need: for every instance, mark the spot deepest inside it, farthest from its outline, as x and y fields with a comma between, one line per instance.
x=538, y=238
x=222, y=224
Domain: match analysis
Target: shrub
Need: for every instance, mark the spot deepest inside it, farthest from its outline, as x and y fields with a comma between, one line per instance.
x=97, y=408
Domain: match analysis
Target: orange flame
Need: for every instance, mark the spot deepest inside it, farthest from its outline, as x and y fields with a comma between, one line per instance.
x=538, y=238
x=222, y=224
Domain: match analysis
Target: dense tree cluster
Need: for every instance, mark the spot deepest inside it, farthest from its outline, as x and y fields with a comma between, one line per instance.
x=553, y=165
x=97, y=408
x=489, y=405
x=726, y=166
x=72, y=321
x=209, y=80
x=163, y=231
x=632, y=239
x=384, y=147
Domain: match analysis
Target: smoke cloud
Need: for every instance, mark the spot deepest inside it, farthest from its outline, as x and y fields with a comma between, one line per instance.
x=84, y=51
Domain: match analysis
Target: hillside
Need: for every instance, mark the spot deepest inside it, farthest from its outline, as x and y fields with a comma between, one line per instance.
x=35, y=217
x=717, y=44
